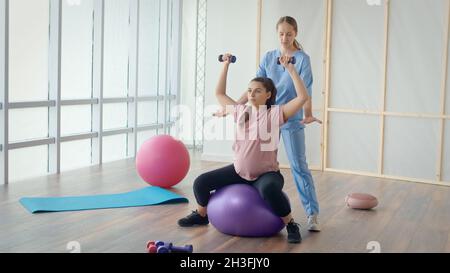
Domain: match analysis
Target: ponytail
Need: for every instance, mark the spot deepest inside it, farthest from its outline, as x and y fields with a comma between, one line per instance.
x=297, y=45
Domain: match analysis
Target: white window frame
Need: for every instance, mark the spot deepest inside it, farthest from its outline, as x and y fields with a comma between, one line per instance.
x=169, y=83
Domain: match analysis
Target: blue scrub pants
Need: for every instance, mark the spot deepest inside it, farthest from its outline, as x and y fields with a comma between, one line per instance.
x=294, y=143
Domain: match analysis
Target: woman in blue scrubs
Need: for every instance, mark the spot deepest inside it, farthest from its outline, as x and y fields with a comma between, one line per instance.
x=293, y=131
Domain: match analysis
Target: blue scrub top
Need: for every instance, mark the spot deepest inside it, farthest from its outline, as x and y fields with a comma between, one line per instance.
x=283, y=82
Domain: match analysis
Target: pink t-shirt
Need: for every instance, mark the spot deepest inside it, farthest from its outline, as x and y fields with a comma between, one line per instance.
x=256, y=140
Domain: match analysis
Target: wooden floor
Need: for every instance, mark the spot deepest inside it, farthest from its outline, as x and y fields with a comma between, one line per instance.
x=411, y=217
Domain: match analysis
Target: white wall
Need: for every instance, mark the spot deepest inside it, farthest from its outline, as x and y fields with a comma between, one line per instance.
x=356, y=77
x=310, y=17
x=413, y=92
x=239, y=37
x=231, y=28
x=415, y=56
x=415, y=65
x=415, y=51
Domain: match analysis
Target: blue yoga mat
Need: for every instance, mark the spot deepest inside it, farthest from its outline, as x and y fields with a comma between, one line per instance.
x=143, y=197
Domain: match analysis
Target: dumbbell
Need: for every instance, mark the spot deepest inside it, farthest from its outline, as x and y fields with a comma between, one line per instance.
x=152, y=246
x=170, y=248
x=292, y=60
x=233, y=58
x=161, y=247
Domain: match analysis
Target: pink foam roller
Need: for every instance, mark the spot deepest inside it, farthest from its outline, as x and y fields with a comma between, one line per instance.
x=361, y=201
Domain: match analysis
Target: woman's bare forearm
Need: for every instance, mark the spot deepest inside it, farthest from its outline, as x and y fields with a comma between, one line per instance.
x=243, y=99
x=222, y=83
x=300, y=88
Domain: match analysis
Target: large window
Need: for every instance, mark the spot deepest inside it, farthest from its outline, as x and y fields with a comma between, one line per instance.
x=86, y=82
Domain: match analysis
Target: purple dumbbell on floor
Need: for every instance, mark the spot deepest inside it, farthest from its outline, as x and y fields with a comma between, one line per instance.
x=292, y=60
x=152, y=246
x=181, y=249
x=170, y=248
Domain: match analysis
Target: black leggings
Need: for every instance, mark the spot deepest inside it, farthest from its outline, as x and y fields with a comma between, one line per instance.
x=269, y=186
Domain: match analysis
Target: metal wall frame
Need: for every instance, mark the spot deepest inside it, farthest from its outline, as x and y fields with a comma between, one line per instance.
x=200, y=63
x=97, y=80
x=133, y=74
x=54, y=74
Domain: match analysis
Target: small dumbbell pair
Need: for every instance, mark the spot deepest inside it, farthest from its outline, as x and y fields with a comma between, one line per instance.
x=161, y=247
x=292, y=60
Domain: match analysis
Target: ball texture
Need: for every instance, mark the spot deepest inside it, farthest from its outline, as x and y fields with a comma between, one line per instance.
x=162, y=161
x=240, y=210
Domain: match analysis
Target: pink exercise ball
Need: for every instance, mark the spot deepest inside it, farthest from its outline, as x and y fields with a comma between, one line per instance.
x=162, y=161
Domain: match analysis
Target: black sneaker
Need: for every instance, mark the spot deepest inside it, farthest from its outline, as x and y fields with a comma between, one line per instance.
x=193, y=219
x=293, y=231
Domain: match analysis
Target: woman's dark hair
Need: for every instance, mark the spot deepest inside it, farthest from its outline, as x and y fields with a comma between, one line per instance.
x=270, y=87
x=291, y=21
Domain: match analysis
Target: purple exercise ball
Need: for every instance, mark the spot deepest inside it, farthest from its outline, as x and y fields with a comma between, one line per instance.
x=240, y=210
